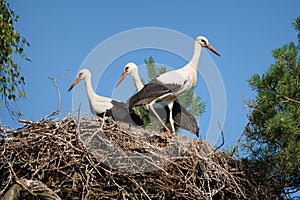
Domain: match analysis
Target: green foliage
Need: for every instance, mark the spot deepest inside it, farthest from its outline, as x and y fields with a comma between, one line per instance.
x=273, y=131
x=296, y=25
x=190, y=100
x=11, y=44
x=154, y=70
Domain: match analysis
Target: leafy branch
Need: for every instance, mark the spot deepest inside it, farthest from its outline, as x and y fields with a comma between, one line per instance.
x=11, y=44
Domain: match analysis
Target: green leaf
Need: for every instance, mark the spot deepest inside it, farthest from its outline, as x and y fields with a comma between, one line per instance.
x=24, y=41
x=12, y=48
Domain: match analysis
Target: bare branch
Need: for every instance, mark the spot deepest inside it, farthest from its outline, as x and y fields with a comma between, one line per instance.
x=223, y=140
x=58, y=96
x=238, y=143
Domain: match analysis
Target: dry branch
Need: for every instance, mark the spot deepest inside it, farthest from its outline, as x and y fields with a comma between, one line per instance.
x=58, y=95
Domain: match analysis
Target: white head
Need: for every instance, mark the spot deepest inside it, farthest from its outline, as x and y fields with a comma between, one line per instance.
x=203, y=41
x=83, y=74
x=128, y=69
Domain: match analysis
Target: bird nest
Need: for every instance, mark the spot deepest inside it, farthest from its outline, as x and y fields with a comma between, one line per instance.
x=100, y=159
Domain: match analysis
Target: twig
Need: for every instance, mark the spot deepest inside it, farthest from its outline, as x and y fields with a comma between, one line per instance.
x=6, y=186
x=25, y=121
x=238, y=142
x=18, y=180
x=223, y=140
x=103, y=121
x=141, y=188
x=78, y=116
x=58, y=95
x=290, y=99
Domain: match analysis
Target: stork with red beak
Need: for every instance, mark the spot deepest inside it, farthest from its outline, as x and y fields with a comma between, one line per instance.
x=181, y=116
x=101, y=106
x=169, y=85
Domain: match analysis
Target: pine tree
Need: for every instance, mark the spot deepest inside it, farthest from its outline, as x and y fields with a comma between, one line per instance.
x=273, y=131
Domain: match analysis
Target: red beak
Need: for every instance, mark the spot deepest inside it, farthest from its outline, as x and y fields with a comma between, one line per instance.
x=212, y=49
x=74, y=83
x=123, y=75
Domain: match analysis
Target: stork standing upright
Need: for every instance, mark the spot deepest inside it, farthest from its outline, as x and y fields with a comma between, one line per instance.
x=181, y=116
x=169, y=85
x=101, y=106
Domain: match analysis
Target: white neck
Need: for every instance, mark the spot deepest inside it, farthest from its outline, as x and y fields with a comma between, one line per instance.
x=196, y=56
x=137, y=80
x=89, y=89
x=192, y=66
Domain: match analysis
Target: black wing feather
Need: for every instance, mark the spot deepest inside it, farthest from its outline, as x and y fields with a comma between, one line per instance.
x=151, y=91
x=184, y=119
x=181, y=117
x=120, y=112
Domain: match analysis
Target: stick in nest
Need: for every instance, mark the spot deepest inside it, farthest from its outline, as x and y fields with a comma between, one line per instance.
x=58, y=96
x=223, y=140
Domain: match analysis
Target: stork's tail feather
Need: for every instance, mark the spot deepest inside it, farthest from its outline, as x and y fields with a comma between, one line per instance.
x=184, y=119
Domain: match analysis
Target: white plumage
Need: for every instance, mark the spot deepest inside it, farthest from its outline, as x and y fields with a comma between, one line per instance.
x=100, y=105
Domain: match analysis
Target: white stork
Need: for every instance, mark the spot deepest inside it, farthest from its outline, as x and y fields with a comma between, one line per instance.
x=169, y=85
x=101, y=106
x=181, y=116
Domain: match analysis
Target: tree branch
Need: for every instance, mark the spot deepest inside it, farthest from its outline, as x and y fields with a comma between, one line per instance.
x=223, y=140
x=291, y=100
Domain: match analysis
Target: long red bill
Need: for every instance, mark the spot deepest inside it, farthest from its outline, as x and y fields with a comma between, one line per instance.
x=74, y=83
x=123, y=75
x=213, y=49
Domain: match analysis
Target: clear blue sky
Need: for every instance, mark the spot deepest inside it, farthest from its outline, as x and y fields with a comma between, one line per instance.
x=63, y=33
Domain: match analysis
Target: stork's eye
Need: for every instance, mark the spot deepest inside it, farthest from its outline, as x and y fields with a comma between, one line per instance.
x=204, y=42
x=126, y=68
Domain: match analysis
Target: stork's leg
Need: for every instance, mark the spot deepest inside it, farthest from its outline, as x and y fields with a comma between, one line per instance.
x=150, y=105
x=170, y=105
